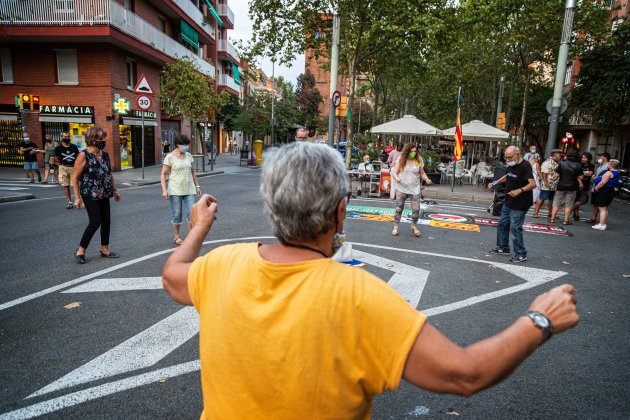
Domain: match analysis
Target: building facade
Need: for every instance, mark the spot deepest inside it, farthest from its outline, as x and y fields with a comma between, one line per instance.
x=83, y=59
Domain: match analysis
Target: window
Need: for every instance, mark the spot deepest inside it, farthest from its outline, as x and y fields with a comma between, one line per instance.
x=67, y=71
x=568, y=74
x=6, y=68
x=131, y=73
x=162, y=24
x=128, y=4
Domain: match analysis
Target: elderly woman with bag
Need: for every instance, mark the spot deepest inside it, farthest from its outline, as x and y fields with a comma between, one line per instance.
x=93, y=185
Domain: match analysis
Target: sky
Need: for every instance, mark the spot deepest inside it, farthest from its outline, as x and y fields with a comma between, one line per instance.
x=243, y=31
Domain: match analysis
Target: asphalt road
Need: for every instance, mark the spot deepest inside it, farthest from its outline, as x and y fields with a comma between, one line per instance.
x=132, y=353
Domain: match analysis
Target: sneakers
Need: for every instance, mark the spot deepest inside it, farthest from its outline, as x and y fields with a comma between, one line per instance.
x=599, y=226
x=500, y=251
x=518, y=259
x=69, y=205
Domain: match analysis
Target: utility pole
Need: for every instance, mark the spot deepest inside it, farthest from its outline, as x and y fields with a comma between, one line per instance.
x=273, y=95
x=500, y=101
x=334, y=70
x=561, y=68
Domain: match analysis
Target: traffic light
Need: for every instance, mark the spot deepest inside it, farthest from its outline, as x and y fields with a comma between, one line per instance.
x=26, y=101
x=341, y=109
x=34, y=102
x=501, y=121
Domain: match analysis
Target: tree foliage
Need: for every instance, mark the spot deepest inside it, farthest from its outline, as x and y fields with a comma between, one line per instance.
x=602, y=88
x=308, y=99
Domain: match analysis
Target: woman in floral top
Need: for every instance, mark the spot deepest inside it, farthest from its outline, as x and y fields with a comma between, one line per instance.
x=182, y=184
x=94, y=183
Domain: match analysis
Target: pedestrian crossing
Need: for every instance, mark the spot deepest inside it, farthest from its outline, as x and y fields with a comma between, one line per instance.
x=22, y=185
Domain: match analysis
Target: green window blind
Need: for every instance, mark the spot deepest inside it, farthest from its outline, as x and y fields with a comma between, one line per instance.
x=189, y=35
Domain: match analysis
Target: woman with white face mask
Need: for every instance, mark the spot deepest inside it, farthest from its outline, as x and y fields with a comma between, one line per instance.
x=183, y=185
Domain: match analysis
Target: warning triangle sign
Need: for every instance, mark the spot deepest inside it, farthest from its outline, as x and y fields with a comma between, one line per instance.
x=143, y=86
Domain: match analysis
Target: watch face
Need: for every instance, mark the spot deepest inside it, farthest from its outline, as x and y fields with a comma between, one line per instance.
x=541, y=320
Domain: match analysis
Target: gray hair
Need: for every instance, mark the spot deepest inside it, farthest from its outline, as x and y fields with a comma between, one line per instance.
x=302, y=131
x=301, y=185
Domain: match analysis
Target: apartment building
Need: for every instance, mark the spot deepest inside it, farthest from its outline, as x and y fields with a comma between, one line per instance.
x=583, y=128
x=84, y=57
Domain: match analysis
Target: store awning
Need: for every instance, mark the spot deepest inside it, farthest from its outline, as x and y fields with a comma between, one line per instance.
x=8, y=117
x=189, y=35
x=66, y=119
x=237, y=75
x=214, y=13
x=138, y=121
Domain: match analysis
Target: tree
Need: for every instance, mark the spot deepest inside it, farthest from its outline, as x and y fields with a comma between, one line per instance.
x=187, y=92
x=228, y=113
x=602, y=88
x=307, y=99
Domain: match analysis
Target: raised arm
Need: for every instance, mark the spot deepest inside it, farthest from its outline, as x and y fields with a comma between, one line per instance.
x=437, y=364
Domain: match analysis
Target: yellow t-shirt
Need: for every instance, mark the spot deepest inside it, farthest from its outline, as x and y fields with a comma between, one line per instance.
x=315, y=339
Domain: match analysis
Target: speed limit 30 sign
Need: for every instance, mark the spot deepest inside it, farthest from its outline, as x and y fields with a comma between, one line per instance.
x=144, y=102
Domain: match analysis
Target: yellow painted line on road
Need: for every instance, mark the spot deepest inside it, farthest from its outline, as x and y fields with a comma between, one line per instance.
x=456, y=226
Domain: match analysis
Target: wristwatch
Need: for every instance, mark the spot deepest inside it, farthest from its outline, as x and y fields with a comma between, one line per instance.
x=542, y=322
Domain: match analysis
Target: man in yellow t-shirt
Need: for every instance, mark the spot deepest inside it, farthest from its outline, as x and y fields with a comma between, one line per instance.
x=286, y=332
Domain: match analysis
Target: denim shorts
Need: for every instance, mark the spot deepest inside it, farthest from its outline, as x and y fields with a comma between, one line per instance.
x=546, y=195
x=30, y=165
x=179, y=205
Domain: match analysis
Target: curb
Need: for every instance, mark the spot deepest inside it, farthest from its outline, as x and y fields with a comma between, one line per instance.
x=457, y=196
x=13, y=198
x=139, y=182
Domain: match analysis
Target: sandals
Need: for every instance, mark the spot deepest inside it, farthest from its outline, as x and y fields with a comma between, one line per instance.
x=567, y=222
x=395, y=230
x=110, y=255
x=550, y=220
x=415, y=231
x=179, y=241
x=535, y=216
x=79, y=257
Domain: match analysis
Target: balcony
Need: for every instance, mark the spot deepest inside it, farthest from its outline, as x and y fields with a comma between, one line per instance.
x=195, y=14
x=223, y=45
x=228, y=81
x=93, y=13
x=227, y=15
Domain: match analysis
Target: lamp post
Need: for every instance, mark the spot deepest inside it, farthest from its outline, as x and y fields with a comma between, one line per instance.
x=273, y=94
x=334, y=69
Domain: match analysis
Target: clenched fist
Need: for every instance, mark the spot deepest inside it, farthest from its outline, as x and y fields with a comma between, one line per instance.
x=558, y=305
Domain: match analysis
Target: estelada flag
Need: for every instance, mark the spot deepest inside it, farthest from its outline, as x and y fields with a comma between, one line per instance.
x=459, y=138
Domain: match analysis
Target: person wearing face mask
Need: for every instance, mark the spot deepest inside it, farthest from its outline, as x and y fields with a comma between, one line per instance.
x=603, y=160
x=94, y=183
x=183, y=185
x=407, y=172
x=273, y=314
x=532, y=151
x=66, y=154
x=549, y=184
x=519, y=183
x=29, y=148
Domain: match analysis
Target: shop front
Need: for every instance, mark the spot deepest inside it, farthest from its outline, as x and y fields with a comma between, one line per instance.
x=130, y=131
x=10, y=136
x=75, y=119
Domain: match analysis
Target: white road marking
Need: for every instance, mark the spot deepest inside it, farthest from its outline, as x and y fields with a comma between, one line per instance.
x=12, y=188
x=110, y=269
x=99, y=391
x=407, y=280
x=15, y=184
x=139, y=352
x=122, y=284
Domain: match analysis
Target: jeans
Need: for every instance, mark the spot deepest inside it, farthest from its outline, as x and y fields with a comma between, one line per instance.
x=100, y=216
x=511, y=223
x=177, y=202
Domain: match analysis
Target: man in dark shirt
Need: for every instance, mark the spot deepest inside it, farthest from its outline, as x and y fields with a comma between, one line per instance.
x=587, y=173
x=29, y=148
x=519, y=181
x=66, y=154
x=569, y=183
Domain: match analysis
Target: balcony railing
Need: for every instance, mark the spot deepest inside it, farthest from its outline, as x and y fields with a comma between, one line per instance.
x=96, y=12
x=224, y=10
x=226, y=46
x=195, y=14
x=225, y=80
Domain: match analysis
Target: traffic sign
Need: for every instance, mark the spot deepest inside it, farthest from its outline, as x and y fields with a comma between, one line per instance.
x=143, y=86
x=143, y=102
x=336, y=99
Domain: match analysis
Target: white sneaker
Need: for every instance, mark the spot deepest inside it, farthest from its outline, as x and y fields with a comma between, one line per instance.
x=599, y=226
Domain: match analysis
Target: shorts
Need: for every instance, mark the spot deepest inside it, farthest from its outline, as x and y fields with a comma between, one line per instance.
x=566, y=197
x=582, y=197
x=65, y=176
x=603, y=197
x=31, y=166
x=547, y=195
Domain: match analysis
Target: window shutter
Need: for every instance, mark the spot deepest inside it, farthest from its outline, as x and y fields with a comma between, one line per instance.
x=67, y=67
